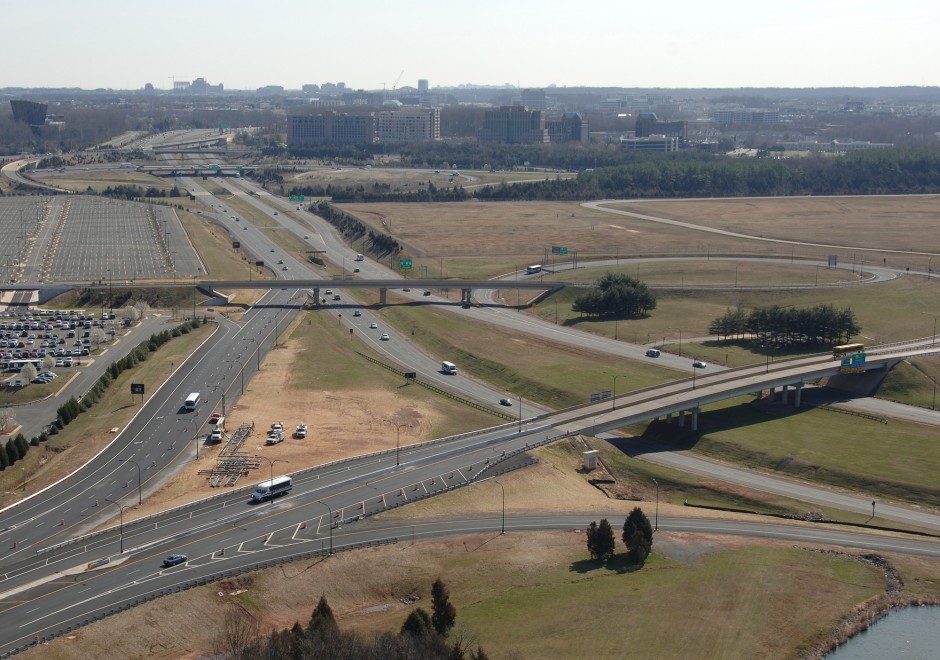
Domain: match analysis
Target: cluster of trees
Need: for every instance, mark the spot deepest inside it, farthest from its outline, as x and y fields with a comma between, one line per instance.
x=637, y=538
x=72, y=408
x=422, y=636
x=821, y=325
x=136, y=192
x=617, y=295
x=353, y=229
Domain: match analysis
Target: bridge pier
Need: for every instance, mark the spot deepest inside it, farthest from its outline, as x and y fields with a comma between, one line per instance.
x=383, y=296
x=681, y=419
x=796, y=395
x=695, y=419
x=783, y=394
x=669, y=418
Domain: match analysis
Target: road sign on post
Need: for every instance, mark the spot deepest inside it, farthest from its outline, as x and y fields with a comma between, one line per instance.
x=559, y=250
x=236, y=244
x=137, y=388
x=296, y=198
x=404, y=264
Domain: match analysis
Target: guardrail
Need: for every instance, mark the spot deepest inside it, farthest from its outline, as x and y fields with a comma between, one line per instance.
x=189, y=584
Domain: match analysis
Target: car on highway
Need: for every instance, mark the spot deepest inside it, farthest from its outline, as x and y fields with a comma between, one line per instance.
x=272, y=249
x=305, y=236
x=173, y=560
x=373, y=325
x=357, y=313
x=355, y=270
x=698, y=364
x=284, y=268
x=336, y=296
x=653, y=353
x=384, y=337
x=280, y=261
x=505, y=402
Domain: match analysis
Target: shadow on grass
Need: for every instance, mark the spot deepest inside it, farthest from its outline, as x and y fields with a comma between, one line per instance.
x=619, y=564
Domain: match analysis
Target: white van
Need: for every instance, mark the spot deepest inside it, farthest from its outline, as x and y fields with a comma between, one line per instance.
x=448, y=368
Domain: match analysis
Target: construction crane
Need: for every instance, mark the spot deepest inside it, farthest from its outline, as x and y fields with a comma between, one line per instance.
x=397, y=79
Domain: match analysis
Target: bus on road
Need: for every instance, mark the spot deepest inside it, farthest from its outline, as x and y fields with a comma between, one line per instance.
x=536, y=268
x=846, y=349
x=272, y=488
x=191, y=402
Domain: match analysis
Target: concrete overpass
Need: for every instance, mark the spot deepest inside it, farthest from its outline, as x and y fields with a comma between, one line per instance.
x=211, y=287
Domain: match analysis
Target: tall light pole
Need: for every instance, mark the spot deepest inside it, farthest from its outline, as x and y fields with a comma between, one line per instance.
x=520, y=413
x=271, y=462
x=736, y=275
x=680, y=340
x=398, y=428
x=194, y=296
x=121, y=532
x=656, y=519
x=503, y=527
x=613, y=399
x=140, y=499
x=110, y=299
x=258, y=350
x=330, y=523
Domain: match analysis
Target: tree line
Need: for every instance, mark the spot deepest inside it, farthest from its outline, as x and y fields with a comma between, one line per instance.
x=822, y=325
x=353, y=229
x=422, y=636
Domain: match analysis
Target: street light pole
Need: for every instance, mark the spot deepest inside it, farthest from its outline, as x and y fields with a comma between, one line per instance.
x=656, y=519
x=503, y=526
x=520, y=413
x=330, y=523
x=121, y=528
x=110, y=299
x=613, y=399
x=140, y=499
x=271, y=462
x=398, y=428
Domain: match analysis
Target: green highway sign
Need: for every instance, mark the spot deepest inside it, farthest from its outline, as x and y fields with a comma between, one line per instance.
x=559, y=250
x=296, y=198
x=404, y=264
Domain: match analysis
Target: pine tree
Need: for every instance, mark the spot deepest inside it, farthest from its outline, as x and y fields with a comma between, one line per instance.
x=418, y=624
x=322, y=621
x=638, y=535
x=444, y=614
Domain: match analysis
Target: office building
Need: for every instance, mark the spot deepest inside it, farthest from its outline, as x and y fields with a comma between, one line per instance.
x=410, y=124
x=329, y=128
x=514, y=125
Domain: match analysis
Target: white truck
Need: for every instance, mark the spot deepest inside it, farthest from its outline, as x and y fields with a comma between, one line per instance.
x=448, y=368
x=274, y=437
x=359, y=257
x=301, y=431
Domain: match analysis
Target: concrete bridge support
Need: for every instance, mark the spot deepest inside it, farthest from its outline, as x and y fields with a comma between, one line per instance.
x=669, y=418
x=796, y=395
x=695, y=412
x=681, y=419
x=383, y=296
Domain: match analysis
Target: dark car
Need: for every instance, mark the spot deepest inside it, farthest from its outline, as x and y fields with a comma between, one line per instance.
x=173, y=560
x=505, y=402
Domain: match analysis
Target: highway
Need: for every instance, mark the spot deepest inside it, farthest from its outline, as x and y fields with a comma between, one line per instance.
x=42, y=595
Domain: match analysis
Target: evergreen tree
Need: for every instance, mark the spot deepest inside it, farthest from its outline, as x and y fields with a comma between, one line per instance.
x=322, y=621
x=443, y=613
x=638, y=535
x=12, y=454
x=600, y=540
x=418, y=624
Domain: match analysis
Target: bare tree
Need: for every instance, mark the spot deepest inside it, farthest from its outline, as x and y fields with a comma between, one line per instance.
x=143, y=307
x=47, y=363
x=239, y=630
x=7, y=418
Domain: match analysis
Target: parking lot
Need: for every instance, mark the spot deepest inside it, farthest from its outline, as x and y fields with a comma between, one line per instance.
x=51, y=341
x=19, y=220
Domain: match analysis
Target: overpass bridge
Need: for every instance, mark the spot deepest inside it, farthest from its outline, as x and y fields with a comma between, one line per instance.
x=212, y=287
x=682, y=400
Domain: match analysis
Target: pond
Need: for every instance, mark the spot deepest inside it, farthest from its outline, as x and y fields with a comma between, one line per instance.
x=912, y=633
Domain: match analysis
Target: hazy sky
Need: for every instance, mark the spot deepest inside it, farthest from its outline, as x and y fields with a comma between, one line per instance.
x=123, y=44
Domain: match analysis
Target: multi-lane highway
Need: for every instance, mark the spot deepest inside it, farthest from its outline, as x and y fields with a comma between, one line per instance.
x=45, y=583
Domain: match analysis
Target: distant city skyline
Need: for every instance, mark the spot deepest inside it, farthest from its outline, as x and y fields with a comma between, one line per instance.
x=371, y=44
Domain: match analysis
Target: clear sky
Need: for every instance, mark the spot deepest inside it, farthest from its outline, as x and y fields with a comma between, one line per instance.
x=124, y=44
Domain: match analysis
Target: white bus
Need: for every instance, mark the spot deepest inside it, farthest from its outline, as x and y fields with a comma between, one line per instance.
x=449, y=368
x=536, y=268
x=191, y=402
x=272, y=488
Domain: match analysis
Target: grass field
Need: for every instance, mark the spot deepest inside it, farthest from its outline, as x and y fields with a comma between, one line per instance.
x=907, y=223
x=897, y=459
x=98, y=180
